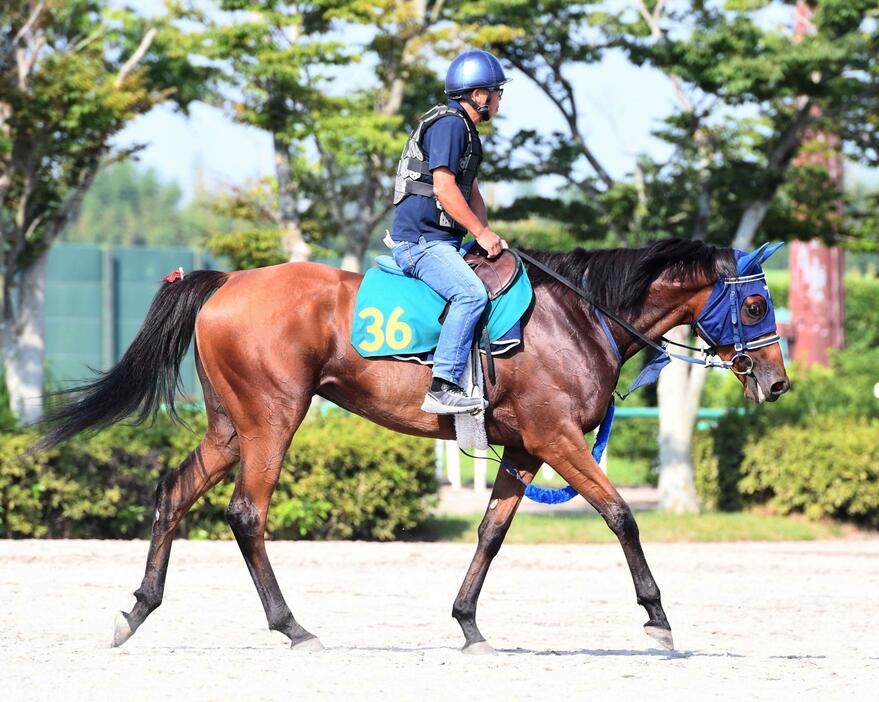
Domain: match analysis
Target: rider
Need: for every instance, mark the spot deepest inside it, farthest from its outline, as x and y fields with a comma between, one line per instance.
x=437, y=202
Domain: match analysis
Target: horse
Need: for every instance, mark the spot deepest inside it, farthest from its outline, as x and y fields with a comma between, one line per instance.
x=267, y=340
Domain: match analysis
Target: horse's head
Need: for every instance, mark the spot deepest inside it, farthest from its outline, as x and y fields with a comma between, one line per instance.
x=738, y=323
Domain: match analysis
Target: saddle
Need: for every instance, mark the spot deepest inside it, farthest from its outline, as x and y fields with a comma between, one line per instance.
x=497, y=274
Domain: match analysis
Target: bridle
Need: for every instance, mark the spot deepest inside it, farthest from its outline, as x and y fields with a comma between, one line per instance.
x=721, y=325
x=712, y=325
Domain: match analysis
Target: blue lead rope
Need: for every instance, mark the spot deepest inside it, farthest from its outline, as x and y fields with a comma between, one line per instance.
x=550, y=496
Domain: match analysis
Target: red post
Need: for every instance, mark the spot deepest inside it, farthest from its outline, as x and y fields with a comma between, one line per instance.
x=817, y=289
x=817, y=301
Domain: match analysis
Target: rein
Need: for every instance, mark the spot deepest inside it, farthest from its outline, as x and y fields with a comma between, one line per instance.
x=709, y=354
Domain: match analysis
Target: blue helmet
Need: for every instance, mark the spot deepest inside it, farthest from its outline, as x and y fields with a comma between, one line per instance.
x=474, y=69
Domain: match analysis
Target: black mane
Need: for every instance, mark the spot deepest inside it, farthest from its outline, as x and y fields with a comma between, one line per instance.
x=618, y=279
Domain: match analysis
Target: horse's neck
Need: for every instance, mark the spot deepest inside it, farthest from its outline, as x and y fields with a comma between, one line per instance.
x=669, y=304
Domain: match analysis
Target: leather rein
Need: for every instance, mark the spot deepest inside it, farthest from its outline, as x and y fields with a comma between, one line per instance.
x=709, y=354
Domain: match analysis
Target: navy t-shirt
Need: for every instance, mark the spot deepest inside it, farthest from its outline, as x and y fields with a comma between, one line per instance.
x=444, y=143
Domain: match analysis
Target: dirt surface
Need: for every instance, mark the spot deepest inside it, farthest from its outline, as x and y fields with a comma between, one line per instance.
x=751, y=621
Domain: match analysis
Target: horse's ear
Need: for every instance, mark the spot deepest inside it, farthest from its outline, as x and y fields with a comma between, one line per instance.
x=749, y=263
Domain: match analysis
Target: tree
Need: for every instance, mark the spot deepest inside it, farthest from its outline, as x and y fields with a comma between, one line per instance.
x=336, y=139
x=277, y=59
x=748, y=96
x=128, y=205
x=72, y=75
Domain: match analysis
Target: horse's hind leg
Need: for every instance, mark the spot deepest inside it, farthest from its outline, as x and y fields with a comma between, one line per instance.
x=262, y=455
x=505, y=499
x=176, y=493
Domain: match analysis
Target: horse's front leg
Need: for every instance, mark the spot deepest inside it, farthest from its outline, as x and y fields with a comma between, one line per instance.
x=570, y=457
x=505, y=498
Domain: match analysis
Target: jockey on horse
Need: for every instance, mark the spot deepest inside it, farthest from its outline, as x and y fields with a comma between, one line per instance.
x=437, y=202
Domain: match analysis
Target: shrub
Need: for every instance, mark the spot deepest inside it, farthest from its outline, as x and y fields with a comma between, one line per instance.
x=346, y=478
x=343, y=478
x=717, y=457
x=842, y=391
x=829, y=468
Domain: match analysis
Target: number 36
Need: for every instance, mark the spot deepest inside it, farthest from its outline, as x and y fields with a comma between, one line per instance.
x=397, y=334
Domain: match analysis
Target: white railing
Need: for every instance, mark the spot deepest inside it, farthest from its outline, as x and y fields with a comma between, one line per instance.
x=448, y=466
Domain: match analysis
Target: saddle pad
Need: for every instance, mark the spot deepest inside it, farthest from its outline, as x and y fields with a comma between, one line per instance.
x=396, y=315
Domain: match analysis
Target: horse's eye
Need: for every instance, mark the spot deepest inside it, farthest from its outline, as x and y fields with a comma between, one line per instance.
x=755, y=310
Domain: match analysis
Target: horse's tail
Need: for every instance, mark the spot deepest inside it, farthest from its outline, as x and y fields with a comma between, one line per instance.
x=146, y=376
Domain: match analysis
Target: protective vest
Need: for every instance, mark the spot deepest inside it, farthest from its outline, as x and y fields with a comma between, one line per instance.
x=413, y=165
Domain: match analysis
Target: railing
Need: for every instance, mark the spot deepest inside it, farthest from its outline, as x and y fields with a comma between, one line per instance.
x=448, y=457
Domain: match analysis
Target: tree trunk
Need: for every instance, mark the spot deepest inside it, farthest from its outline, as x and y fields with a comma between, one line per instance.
x=356, y=244
x=679, y=391
x=750, y=222
x=295, y=246
x=25, y=347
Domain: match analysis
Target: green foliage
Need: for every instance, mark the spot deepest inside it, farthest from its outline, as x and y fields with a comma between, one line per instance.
x=343, y=478
x=252, y=248
x=635, y=440
x=282, y=63
x=743, y=137
x=829, y=468
x=7, y=418
x=583, y=528
x=127, y=205
x=862, y=312
x=716, y=466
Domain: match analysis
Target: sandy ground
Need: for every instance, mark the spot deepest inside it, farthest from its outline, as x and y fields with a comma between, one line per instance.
x=751, y=621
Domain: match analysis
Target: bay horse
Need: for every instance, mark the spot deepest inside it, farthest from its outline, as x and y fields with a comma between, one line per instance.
x=267, y=340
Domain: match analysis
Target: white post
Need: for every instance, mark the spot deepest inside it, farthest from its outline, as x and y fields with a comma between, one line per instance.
x=603, y=462
x=440, y=460
x=453, y=464
x=479, y=472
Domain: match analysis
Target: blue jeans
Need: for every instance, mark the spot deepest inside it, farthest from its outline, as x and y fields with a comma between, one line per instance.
x=440, y=265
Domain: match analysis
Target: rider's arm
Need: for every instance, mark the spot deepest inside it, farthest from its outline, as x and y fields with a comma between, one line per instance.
x=449, y=195
x=477, y=204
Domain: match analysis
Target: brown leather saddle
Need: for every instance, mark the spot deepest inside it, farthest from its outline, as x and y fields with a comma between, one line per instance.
x=497, y=274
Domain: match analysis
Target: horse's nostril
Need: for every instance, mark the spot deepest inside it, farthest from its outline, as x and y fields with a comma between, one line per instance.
x=779, y=387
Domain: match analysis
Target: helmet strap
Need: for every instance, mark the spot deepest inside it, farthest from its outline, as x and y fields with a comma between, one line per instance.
x=482, y=110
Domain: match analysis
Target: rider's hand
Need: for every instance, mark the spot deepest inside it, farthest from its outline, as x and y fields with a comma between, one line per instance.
x=491, y=242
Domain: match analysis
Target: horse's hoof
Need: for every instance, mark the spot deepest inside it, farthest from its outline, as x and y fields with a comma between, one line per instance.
x=480, y=648
x=309, y=645
x=662, y=636
x=122, y=630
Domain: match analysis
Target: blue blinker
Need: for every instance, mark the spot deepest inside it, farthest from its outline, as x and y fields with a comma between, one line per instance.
x=719, y=323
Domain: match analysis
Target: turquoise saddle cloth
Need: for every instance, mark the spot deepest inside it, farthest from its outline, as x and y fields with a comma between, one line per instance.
x=395, y=315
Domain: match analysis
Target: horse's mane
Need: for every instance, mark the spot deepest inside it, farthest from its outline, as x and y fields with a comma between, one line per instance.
x=619, y=279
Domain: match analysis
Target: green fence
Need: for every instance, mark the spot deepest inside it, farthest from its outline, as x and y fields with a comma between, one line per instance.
x=96, y=300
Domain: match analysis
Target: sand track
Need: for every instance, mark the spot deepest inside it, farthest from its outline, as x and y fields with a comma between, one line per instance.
x=764, y=621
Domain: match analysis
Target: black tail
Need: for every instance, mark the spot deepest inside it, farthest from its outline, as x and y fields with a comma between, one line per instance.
x=146, y=376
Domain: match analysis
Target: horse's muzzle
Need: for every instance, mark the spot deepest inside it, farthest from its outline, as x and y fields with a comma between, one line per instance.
x=777, y=389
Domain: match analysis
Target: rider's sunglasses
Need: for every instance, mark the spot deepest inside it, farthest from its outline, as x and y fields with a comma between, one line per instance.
x=499, y=91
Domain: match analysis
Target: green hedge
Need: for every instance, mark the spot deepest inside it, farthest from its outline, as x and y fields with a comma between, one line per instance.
x=827, y=469
x=838, y=394
x=343, y=477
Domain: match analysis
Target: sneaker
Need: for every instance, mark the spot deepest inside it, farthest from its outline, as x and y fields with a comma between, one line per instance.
x=447, y=398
